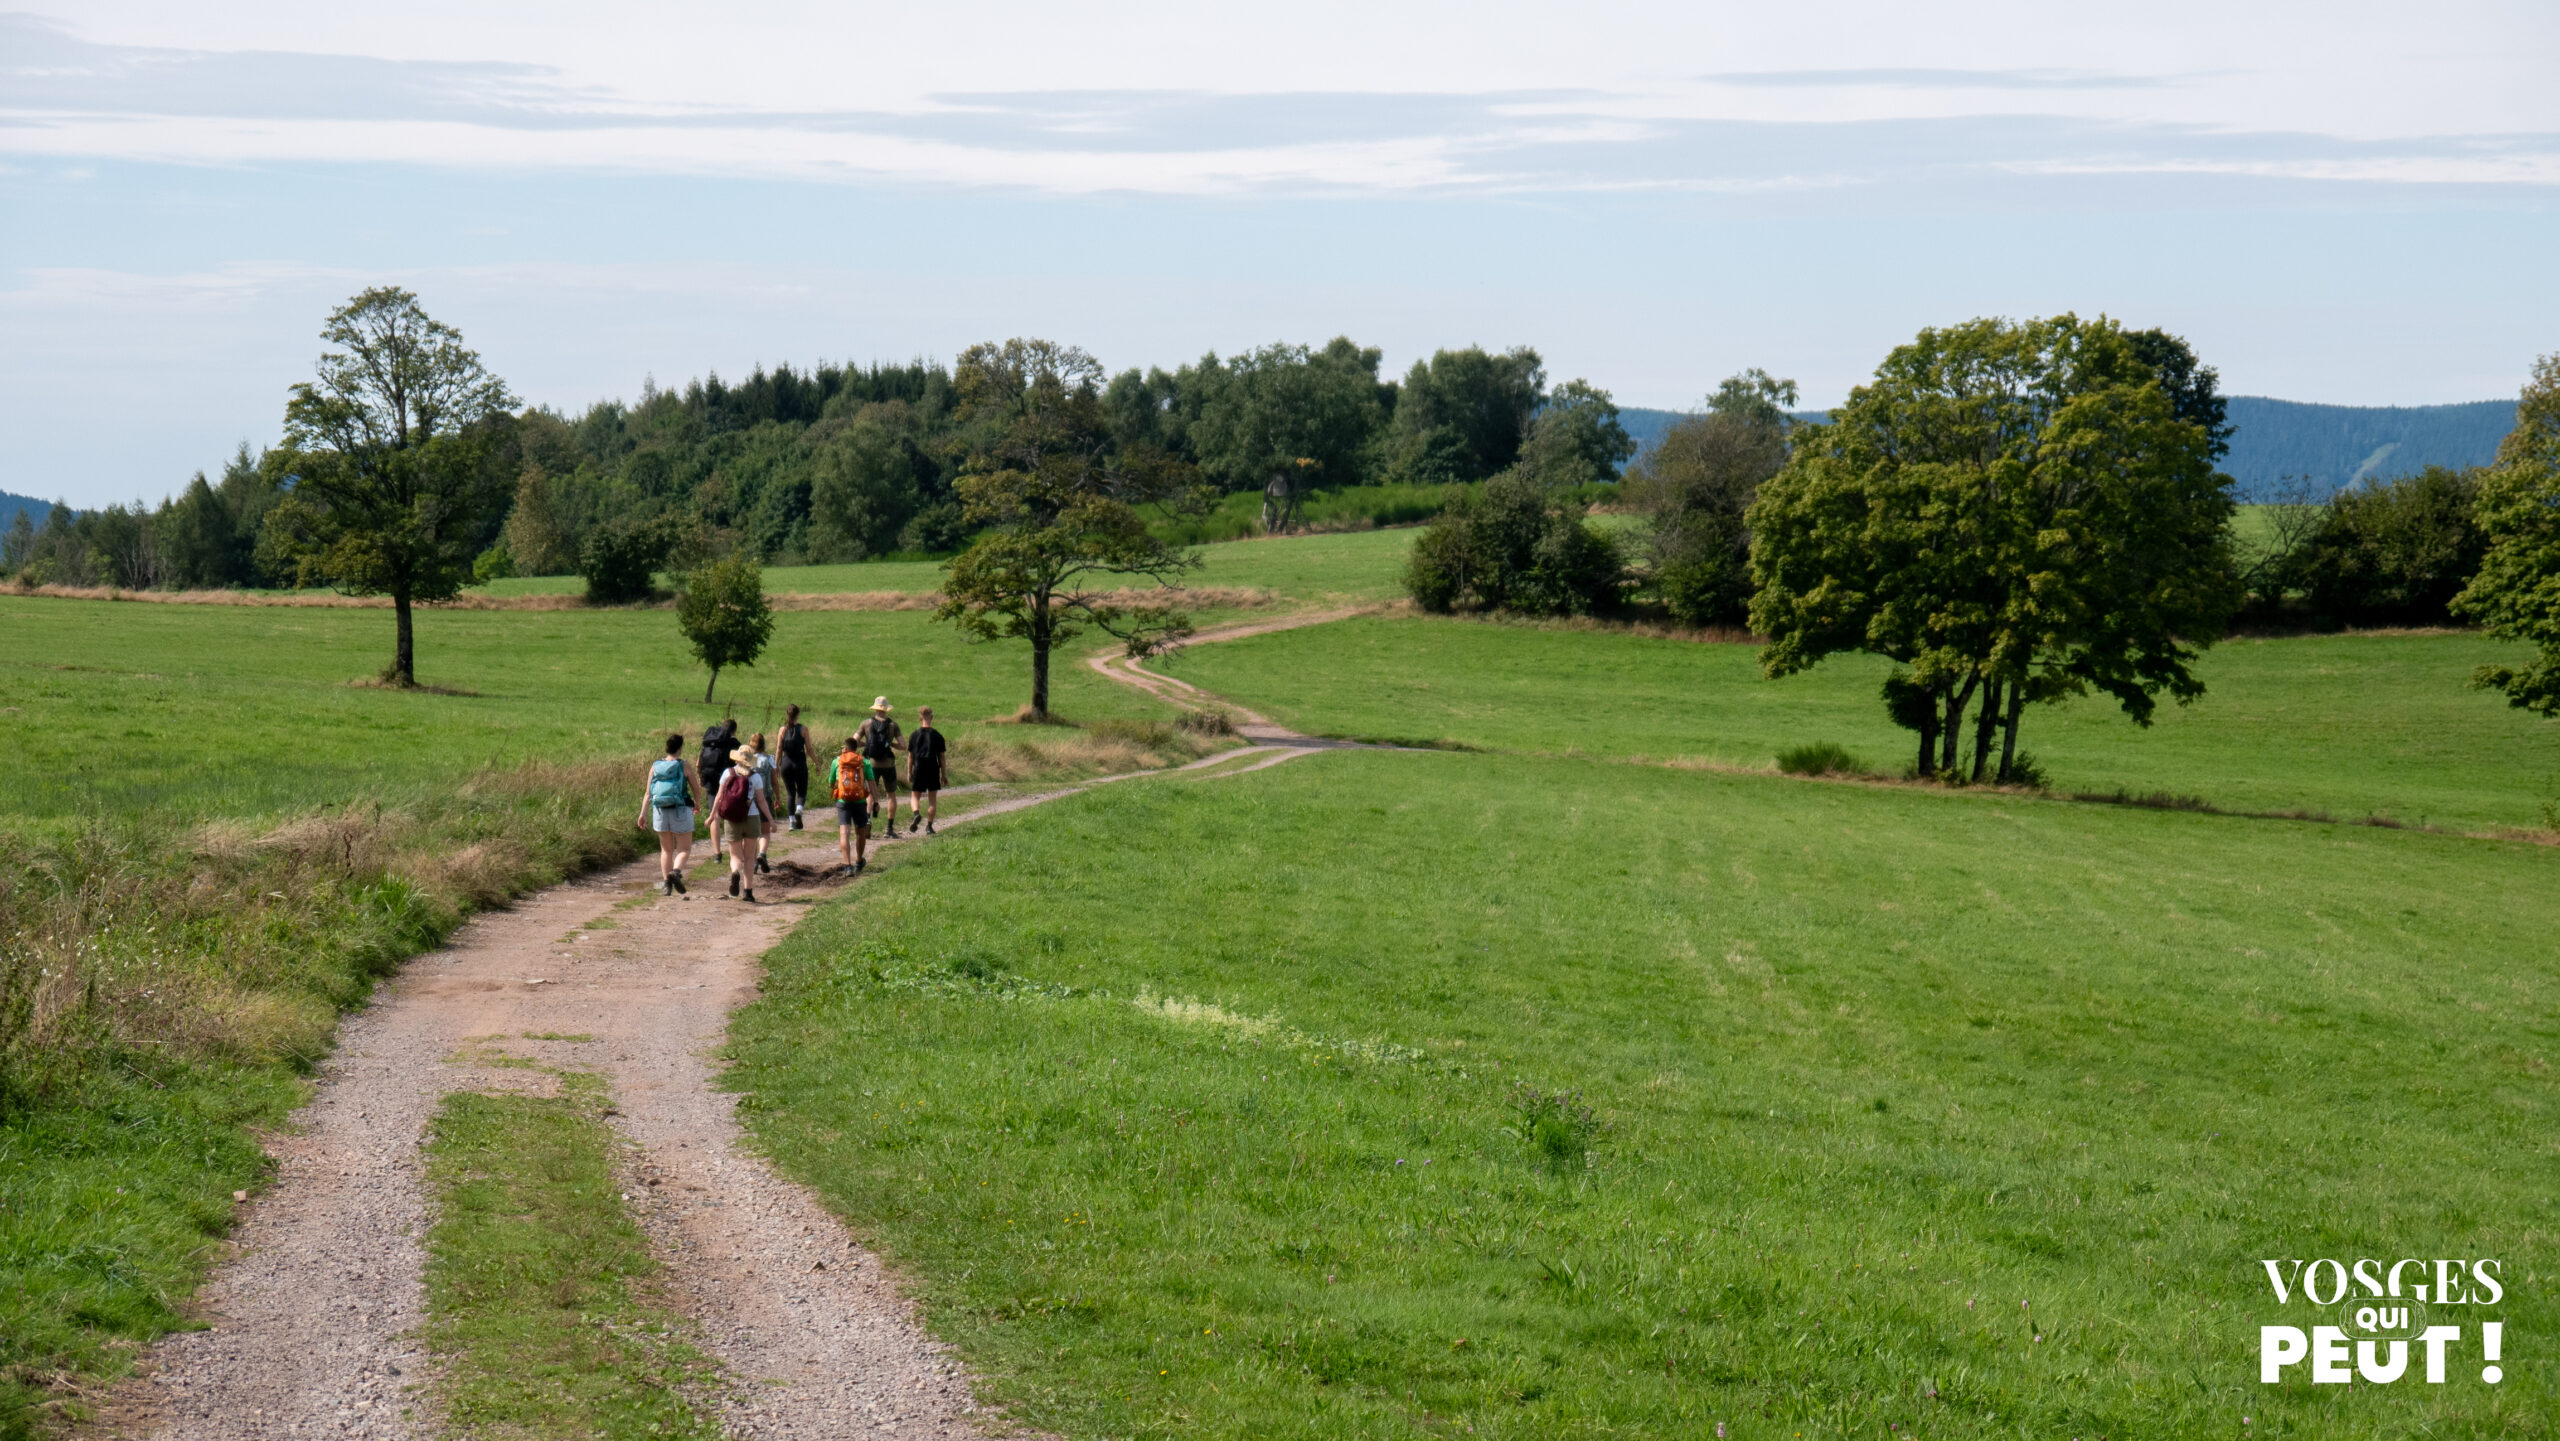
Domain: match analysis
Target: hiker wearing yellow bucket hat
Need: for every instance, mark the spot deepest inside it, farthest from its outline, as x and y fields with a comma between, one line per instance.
x=881, y=743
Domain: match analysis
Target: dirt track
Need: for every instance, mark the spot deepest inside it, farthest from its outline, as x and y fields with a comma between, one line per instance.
x=316, y=1319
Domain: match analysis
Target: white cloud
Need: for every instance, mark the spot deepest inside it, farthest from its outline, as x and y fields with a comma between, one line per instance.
x=1186, y=100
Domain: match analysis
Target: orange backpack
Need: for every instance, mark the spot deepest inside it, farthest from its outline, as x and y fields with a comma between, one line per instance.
x=849, y=785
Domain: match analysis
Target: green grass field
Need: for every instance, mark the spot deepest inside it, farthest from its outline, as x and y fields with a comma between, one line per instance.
x=246, y=711
x=2348, y=725
x=1195, y=1107
x=1350, y=565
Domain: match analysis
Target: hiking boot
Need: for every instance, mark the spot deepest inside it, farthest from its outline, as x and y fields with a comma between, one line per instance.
x=678, y=878
x=763, y=867
x=733, y=885
x=859, y=865
x=928, y=828
x=751, y=896
x=666, y=885
x=795, y=820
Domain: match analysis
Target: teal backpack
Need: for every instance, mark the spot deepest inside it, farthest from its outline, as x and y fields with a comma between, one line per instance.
x=667, y=786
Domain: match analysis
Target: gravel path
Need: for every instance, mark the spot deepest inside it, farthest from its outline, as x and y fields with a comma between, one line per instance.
x=316, y=1317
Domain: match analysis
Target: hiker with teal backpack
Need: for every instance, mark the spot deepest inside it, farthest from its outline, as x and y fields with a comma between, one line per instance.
x=666, y=806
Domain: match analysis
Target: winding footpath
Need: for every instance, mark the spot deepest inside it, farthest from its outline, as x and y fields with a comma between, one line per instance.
x=316, y=1319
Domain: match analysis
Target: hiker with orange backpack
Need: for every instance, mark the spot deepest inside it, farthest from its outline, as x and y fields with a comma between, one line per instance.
x=744, y=811
x=847, y=783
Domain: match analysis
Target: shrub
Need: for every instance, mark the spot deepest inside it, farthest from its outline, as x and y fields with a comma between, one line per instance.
x=1511, y=546
x=1822, y=758
x=1210, y=722
x=620, y=560
x=2392, y=552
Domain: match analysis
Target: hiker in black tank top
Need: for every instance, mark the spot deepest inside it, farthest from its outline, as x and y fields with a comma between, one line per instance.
x=925, y=750
x=792, y=753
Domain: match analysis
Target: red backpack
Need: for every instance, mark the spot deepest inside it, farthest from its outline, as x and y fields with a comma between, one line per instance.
x=732, y=804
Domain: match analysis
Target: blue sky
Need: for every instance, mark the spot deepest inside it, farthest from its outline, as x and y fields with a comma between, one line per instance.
x=2336, y=202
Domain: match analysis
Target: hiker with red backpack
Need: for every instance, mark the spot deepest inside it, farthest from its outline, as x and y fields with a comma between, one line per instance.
x=847, y=784
x=666, y=806
x=744, y=811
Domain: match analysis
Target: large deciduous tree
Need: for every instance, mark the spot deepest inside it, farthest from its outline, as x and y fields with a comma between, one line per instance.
x=1696, y=485
x=1284, y=418
x=1462, y=414
x=2516, y=593
x=2014, y=512
x=395, y=447
x=1056, y=496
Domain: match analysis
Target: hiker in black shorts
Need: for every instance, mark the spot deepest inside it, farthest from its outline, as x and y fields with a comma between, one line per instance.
x=925, y=750
x=792, y=753
x=879, y=737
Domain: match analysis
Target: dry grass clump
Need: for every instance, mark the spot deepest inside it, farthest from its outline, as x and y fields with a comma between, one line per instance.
x=241, y=943
x=1058, y=750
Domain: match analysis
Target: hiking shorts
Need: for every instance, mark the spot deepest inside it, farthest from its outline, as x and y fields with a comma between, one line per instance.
x=887, y=780
x=856, y=814
x=925, y=776
x=750, y=829
x=672, y=818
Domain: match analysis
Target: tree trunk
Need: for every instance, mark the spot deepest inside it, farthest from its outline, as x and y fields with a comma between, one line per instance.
x=1983, y=725
x=2009, y=733
x=715, y=681
x=1955, y=722
x=1040, y=677
x=1927, y=764
x=404, y=655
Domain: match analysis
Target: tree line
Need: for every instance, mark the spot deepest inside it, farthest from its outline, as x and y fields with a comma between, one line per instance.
x=2013, y=513
x=828, y=464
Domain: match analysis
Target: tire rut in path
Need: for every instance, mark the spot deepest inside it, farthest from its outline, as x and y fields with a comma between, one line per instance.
x=317, y=1318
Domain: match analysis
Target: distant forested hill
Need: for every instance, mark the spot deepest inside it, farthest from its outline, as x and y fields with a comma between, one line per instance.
x=2330, y=446
x=10, y=505
x=2333, y=446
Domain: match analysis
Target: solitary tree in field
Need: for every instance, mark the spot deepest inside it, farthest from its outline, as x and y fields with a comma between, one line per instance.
x=394, y=447
x=2015, y=512
x=723, y=614
x=2517, y=590
x=1056, y=499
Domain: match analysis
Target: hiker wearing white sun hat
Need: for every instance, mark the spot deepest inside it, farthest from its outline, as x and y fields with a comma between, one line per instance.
x=881, y=743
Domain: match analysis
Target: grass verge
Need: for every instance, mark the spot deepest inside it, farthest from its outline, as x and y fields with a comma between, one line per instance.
x=165, y=990
x=1574, y=1101
x=539, y=1299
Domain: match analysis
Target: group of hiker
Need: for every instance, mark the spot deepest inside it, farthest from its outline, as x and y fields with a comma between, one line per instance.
x=754, y=790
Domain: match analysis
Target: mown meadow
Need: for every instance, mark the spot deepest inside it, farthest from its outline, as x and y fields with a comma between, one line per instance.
x=2353, y=726
x=1428, y=1094
x=1584, y=1078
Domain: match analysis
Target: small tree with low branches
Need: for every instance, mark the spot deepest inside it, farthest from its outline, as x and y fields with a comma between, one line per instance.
x=724, y=616
x=1056, y=498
